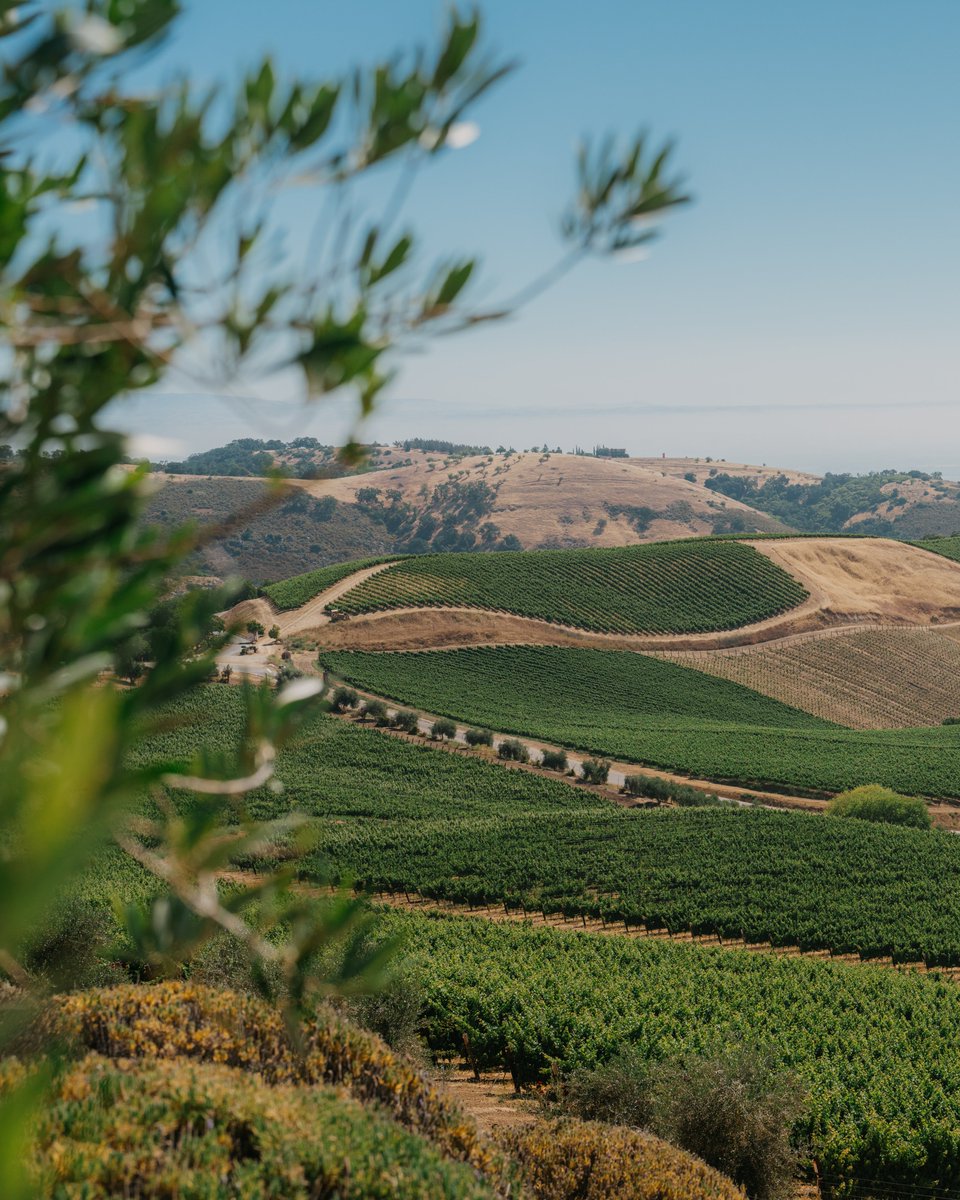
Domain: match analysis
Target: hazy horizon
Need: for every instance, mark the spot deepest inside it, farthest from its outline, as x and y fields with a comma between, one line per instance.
x=804, y=310
x=187, y=425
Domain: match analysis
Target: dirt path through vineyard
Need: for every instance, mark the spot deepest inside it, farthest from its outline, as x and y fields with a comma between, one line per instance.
x=456, y=628
x=311, y=615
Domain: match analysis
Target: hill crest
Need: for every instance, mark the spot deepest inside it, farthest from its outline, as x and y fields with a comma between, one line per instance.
x=558, y=501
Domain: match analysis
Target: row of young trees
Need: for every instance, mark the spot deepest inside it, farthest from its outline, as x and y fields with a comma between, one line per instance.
x=346, y=700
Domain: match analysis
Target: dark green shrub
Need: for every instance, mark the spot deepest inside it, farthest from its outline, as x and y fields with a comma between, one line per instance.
x=617, y=1092
x=223, y=963
x=554, y=760
x=376, y=711
x=595, y=770
x=513, y=750
x=651, y=786
x=343, y=699
x=478, y=737
x=691, y=797
x=395, y=1011
x=406, y=720
x=68, y=950
x=735, y=1112
x=443, y=729
x=655, y=788
x=875, y=803
x=286, y=674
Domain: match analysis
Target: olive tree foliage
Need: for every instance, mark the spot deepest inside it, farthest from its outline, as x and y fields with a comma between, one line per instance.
x=137, y=244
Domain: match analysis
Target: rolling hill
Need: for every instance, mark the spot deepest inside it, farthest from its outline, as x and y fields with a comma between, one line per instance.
x=670, y=587
x=900, y=504
x=610, y=703
x=418, y=501
x=549, y=500
x=558, y=645
x=407, y=499
x=265, y=541
x=699, y=594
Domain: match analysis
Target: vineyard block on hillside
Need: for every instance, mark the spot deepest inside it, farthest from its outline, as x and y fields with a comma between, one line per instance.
x=692, y=586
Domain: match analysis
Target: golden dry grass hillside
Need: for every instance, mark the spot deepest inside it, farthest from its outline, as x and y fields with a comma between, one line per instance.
x=873, y=579
x=891, y=678
x=704, y=468
x=563, y=499
x=907, y=504
x=903, y=497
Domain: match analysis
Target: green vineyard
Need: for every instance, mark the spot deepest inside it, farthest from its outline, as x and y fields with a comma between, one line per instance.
x=788, y=879
x=617, y=703
x=291, y=593
x=595, y=690
x=337, y=770
x=949, y=547
x=397, y=817
x=691, y=586
x=878, y=1052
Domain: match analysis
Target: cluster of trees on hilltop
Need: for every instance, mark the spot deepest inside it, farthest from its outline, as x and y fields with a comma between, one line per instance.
x=253, y=457
x=302, y=458
x=245, y=456
x=824, y=506
x=440, y=447
x=598, y=452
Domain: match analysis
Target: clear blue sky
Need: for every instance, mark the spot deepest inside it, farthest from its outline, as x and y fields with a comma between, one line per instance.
x=805, y=311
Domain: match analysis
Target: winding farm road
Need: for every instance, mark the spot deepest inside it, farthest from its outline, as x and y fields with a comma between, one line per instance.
x=311, y=615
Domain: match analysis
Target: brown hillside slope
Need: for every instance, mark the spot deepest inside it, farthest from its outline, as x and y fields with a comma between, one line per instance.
x=871, y=578
x=890, y=678
x=560, y=499
x=905, y=499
